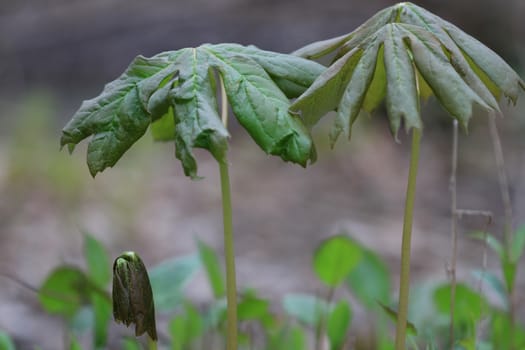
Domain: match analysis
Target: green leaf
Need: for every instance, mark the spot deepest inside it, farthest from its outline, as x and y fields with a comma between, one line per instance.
x=130, y=344
x=98, y=263
x=495, y=283
x=212, y=266
x=176, y=92
x=252, y=307
x=423, y=55
x=326, y=91
x=5, y=341
x=75, y=344
x=505, y=334
x=518, y=244
x=306, y=308
x=392, y=314
x=185, y=328
x=169, y=278
x=370, y=280
x=102, y=311
x=64, y=291
x=469, y=304
x=335, y=258
x=509, y=269
x=338, y=323
x=491, y=241
x=288, y=338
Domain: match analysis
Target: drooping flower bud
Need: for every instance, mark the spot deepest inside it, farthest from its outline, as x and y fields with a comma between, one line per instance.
x=132, y=295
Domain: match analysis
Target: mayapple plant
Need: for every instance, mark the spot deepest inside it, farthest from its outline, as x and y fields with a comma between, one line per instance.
x=174, y=93
x=401, y=55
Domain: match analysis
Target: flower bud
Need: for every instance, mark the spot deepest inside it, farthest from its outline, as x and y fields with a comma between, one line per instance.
x=132, y=295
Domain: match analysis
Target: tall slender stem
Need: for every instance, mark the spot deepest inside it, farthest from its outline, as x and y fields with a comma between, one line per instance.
x=453, y=229
x=229, y=252
x=404, y=286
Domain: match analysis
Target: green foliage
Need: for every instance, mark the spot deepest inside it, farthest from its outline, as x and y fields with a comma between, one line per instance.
x=67, y=289
x=338, y=324
x=186, y=327
x=98, y=262
x=401, y=54
x=169, y=278
x=178, y=90
x=306, y=308
x=210, y=261
x=64, y=291
x=5, y=341
x=369, y=281
x=469, y=305
x=335, y=258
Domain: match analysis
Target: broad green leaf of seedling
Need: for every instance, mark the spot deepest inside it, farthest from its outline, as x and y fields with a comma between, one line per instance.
x=306, y=308
x=369, y=281
x=178, y=89
x=5, y=341
x=169, y=278
x=64, y=291
x=335, y=258
x=400, y=55
x=469, y=304
x=212, y=266
x=338, y=323
x=98, y=262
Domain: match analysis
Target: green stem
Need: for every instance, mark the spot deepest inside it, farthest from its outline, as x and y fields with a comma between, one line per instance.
x=231, y=287
x=229, y=253
x=404, y=286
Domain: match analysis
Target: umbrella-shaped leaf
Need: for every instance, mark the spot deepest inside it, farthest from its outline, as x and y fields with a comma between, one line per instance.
x=176, y=91
x=422, y=55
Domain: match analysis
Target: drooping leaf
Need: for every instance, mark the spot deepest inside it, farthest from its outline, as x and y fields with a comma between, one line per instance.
x=176, y=92
x=421, y=54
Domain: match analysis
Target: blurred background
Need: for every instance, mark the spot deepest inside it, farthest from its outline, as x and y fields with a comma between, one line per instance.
x=56, y=53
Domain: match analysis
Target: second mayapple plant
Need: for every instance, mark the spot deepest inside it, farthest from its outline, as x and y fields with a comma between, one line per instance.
x=403, y=54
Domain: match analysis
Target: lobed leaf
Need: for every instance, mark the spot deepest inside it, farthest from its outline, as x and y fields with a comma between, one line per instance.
x=421, y=54
x=176, y=92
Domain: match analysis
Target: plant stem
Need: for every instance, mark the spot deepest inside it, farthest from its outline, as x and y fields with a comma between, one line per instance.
x=507, y=207
x=503, y=181
x=454, y=229
x=229, y=252
x=404, y=285
x=231, y=287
